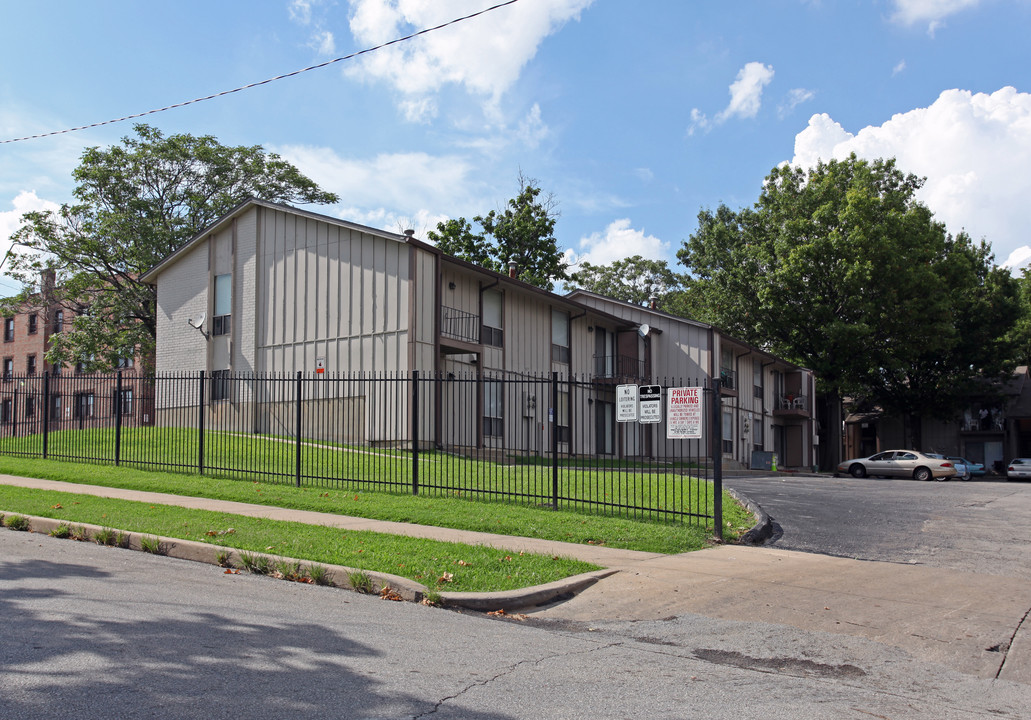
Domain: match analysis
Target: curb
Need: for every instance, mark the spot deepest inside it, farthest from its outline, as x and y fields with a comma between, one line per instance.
x=763, y=528
x=389, y=587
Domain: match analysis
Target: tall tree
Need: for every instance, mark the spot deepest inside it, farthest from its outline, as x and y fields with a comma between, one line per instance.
x=633, y=279
x=840, y=269
x=136, y=203
x=523, y=232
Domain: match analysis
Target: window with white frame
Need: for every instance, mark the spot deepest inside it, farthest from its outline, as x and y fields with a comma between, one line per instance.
x=491, y=332
x=757, y=378
x=493, y=408
x=560, y=336
x=728, y=432
x=221, y=323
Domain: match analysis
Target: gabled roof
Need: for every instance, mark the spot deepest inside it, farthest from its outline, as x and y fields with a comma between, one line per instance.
x=150, y=276
x=685, y=321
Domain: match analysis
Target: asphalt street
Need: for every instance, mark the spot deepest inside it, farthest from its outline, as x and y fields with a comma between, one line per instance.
x=95, y=632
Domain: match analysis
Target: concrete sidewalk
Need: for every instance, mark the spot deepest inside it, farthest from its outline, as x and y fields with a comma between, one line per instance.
x=976, y=624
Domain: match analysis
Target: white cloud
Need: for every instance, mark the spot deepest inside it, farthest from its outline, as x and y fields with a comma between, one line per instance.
x=746, y=91
x=974, y=150
x=10, y=220
x=484, y=55
x=932, y=12
x=619, y=241
x=381, y=190
x=532, y=130
x=796, y=97
x=745, y=97
x=898, y=68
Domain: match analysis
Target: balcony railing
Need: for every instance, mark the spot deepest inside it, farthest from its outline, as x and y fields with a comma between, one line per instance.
x=618, y=366
x=728, y=379
x=459, y=325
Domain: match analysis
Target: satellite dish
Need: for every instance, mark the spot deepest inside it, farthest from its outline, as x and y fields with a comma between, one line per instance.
x=643, y=330
x=199, y=322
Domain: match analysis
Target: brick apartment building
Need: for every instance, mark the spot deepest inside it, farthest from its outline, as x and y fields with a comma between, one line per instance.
x=31, y=387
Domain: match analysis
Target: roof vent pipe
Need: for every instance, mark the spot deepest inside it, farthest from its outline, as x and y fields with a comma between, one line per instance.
x=513, y=267
x=653, y=301
x=409, y=234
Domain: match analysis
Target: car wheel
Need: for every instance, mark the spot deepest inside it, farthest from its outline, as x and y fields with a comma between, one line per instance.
x=923, y=474
x=857, y=471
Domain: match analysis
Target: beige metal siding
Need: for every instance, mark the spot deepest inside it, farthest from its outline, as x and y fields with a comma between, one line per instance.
x=330, y=292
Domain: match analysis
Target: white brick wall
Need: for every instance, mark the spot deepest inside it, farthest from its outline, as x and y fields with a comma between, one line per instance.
x=183, y=293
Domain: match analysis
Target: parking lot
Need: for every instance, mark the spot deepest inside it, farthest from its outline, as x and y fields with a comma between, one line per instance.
x=980, y=526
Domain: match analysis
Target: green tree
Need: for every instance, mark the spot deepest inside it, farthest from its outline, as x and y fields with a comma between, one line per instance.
x=136, y=203
x=633, y=279
x=1020, y=336
x=523, y=231
x=841, y=270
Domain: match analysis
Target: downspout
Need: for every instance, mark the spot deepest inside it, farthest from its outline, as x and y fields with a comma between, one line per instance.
x=737, y=407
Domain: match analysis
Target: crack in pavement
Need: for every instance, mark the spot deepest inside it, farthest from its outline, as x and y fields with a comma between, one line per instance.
x=1009, y=645
x=511, y=669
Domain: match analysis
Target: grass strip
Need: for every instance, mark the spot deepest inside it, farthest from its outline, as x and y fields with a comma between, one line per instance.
x=504, y=518
x=469, y=568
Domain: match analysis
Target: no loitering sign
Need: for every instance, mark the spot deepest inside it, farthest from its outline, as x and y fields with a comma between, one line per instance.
x=684, y=413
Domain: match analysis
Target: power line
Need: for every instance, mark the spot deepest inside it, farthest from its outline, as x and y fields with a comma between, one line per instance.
x=265, y=82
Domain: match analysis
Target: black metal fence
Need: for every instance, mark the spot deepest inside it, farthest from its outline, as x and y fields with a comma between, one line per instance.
x=547, y=440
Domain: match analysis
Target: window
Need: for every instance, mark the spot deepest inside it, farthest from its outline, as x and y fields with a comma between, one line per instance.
x=124, y=363
x=56, y=369
x=219, y=385
x=30, y=365
x=757, y=434
x=8, y=329
x=7, y=413
x=493, y=408
x=221, y=322
x=605, y=420
x=490, y=331
x=55, y=408
x=728, y=432
x=559, y=336
x=8, y=368
x=58, y=321
x=83, y=405
x=757, y=379
x=30, y=407
x=121, y=404
x=604, y=353
x=33, y=323
x=727, y=374
x=562, y=417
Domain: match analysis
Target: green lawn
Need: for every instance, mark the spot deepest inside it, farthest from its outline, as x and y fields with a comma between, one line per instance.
x=659, y=492
x=467, y=568
x=480, y=569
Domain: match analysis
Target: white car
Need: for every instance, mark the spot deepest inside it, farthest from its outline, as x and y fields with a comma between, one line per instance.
x=900, y=463
x=1019, y=469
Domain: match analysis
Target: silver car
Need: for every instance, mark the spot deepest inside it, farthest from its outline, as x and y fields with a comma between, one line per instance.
x=1019, y=469
x=900, y=464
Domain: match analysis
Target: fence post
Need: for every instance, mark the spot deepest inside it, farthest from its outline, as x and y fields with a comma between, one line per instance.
x=118, y=419
x=297, y=469
x=46, y=413
x=717, y=459
x=554, y=439
x=415, y=432
x=200, y=425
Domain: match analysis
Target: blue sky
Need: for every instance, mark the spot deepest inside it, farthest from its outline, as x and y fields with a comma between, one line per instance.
x=635, y=115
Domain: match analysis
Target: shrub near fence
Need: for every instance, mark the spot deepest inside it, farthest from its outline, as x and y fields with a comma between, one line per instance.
x=545, y=440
